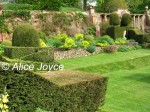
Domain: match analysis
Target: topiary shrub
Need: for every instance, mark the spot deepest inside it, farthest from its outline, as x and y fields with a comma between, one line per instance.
x=135, y=34
x=25, y=35
x=91, y=49
x=77, y=92
x=114, y=19
x=126, y=19
x=146, y=38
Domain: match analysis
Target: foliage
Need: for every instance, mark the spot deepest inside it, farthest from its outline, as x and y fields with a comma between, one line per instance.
x=40, y=110
x=91, y=49
x=61, y=37
x=72, y=3
x=117, y=31
x=14, y=6
x=1, y=48
x=33, y=2
x=126, y=19
x=135, y=34
x=53, y=91
x=79, y=36
x=89, y=38
x=113, y=5
x=42, y=43
x=70, y=9
x=134, y=5
x=102, y=44
x=3, y=101
x=53, y=5
x=42, y=36
x=3, y=25
x=35, y=54
x=104, y=26
x=6, y=43
x=69, y=43
x=53, y=42
x=85, y=44
x=23, y=14
x=110, y=49
x=105, y=39
x=124, y=48
x=146, y=38
x=91, y=30
x=120, y=41
x=114, y=19
x=25, y=35
x=62, y=20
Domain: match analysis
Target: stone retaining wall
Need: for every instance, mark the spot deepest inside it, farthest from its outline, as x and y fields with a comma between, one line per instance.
x=74, y=53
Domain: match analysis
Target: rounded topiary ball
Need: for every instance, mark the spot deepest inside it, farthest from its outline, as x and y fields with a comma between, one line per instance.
x=126, y=19
x=25, y=35
x=114, y=19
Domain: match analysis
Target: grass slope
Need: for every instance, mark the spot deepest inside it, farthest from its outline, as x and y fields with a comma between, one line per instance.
x=129, y=78
x=103, y=59
x=128, y=91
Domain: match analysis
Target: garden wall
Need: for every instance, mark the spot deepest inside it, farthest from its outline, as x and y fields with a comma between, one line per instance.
x=50, y=22
x=74, y=53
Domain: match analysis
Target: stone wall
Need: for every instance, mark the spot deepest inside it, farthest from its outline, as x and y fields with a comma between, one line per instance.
x=74, y=53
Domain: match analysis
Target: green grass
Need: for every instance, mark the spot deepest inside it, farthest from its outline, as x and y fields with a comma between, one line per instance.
x=128, y=91
x=129, y=78
x=103, y=59
x=70, y=9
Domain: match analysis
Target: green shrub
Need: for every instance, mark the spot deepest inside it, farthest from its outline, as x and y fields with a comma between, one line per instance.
x=146, y=45
x=120, y=41
x=91, y=49
x=91, y=30
x=79, y=36
x=42, y=36
x=6, y=43
x=85, y=44
x=69, y=43
x=116, y=31
x=53, y=5
x=55, y=43
x=25, y=35
x=89, y=38
x=40, y=54
x=135, y=34
x=42, y=43
x=146, y=38
x=126, y=19
x=114, y=19
x=61, y=37
x=14, y=6
x=104, y=26
x=74, y=3
x=110, y=49
x=124, y=48
x=105, y=39
x=102, y=44
x=138, y=47
x=1, y=47
x=79, y=92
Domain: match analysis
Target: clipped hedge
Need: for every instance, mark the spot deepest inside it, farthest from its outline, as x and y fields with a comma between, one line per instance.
x=65, y=91
x=116, y=31
x=39, y=54
x=126, y=19
x=135, y=34
x=114, y=19
x=25, y=35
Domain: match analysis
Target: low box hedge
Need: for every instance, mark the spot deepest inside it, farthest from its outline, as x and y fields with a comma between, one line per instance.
x=39, y=54
x=61, y=91
x=117, y=31
x=135, y=34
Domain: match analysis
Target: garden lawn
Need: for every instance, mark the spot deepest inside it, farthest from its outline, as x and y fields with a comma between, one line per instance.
x=128, y=89
x=103, y=59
